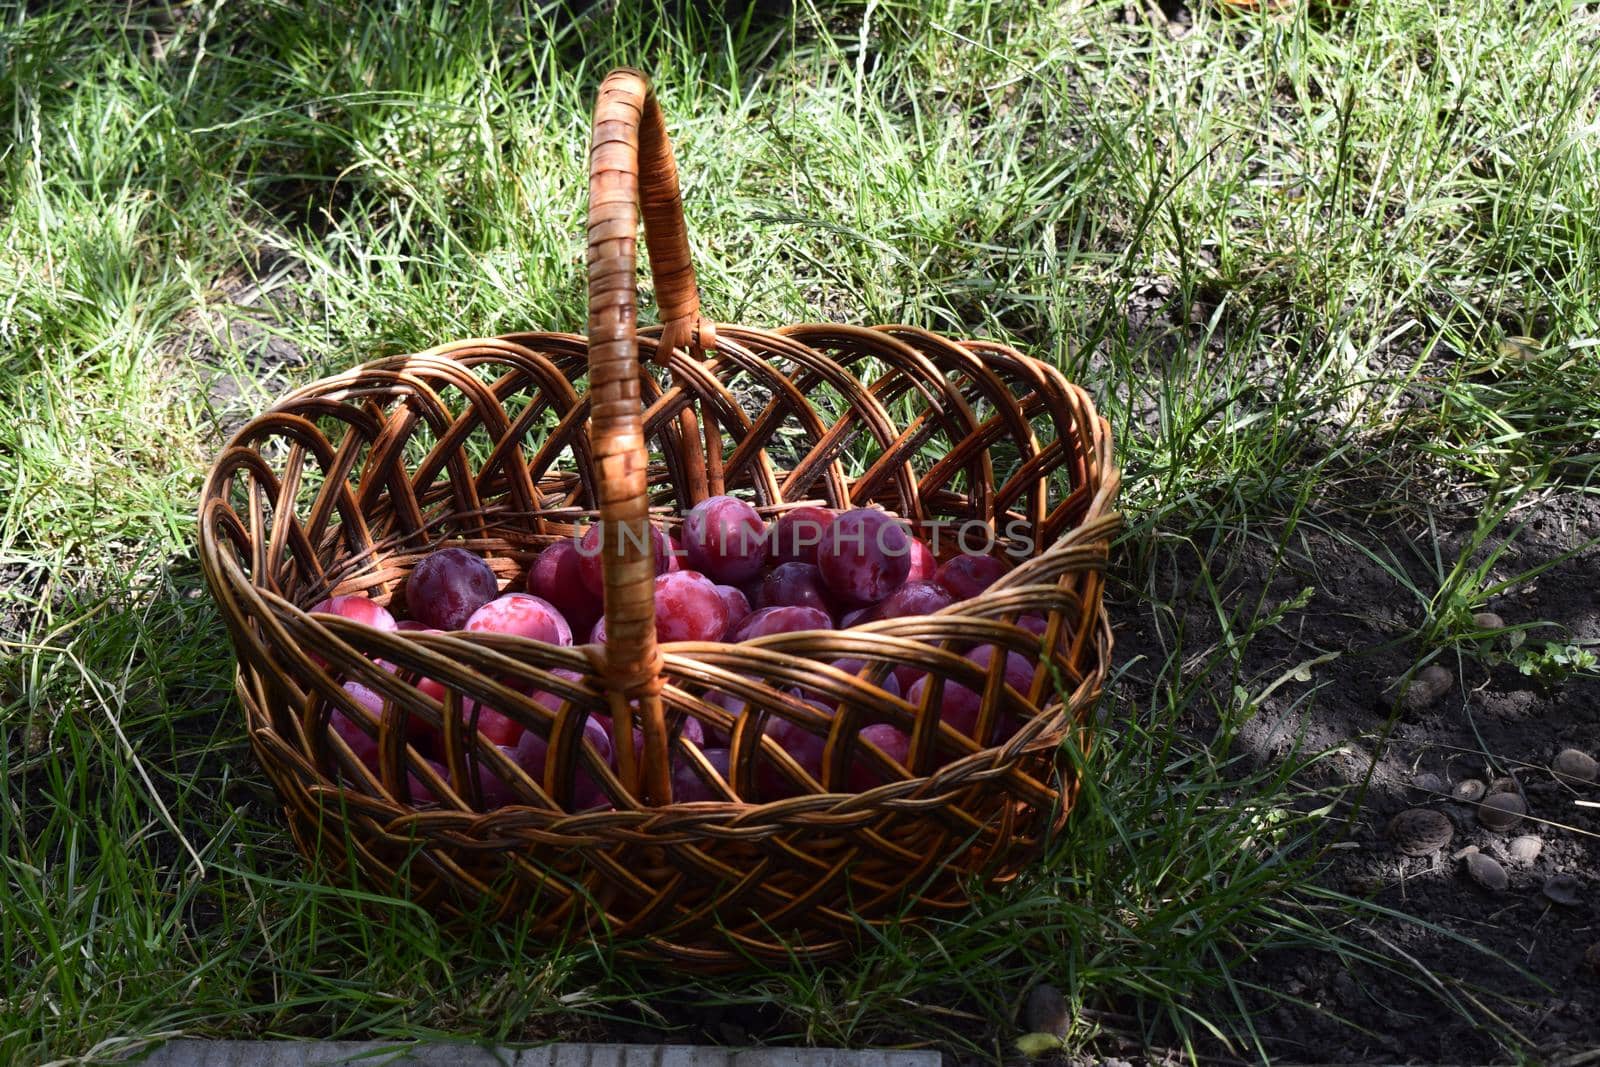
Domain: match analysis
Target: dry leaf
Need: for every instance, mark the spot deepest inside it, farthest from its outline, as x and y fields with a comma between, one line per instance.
x=1035, y=1045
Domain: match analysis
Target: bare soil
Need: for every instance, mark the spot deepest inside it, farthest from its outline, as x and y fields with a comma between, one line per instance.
x=1513, y=959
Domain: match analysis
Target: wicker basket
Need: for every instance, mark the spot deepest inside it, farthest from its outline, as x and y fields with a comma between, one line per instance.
x=494, y=444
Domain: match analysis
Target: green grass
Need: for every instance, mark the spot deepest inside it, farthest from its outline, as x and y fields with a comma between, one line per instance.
x=1338, y=219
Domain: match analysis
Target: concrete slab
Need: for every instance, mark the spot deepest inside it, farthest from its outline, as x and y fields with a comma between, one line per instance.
x=193, y=1053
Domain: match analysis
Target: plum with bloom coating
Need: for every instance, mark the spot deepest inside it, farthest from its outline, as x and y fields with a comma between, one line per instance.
x=894, y=742
x=591, y=568
x=447, y=587
x=557, y=575
x=687, y=785
x=797, y=535
x=960, y=705
x=794, y=585
x=724, y=538
x=865, y=556
x=913, y=598
x=784, y=620
x=967, y=576
x=803, y=746
x=851, y=665
x=531, y=750
x=737, y=605
x=524, y=615
x=689, y=608
x=923, y=564
x=358, y=609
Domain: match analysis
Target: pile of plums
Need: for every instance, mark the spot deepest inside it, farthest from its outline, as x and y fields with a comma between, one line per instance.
x=732, y=577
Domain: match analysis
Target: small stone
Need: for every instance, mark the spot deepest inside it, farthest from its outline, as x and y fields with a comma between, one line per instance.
x=1488, y=620
x=1591, y=956
x=1366, y=883
x=1046, y=1011
x=1423, y=690
x=1487, y=873
x=1575, y=766
x=1524, y=850
x=1501, y=811
x=1420, y=831
x=1503, y=785
x=1428, y=783
x=1564, y=889
x=1467, y=790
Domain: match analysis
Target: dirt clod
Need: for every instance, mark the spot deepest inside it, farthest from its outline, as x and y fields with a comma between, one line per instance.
x=1046, y=1011
x=1503, y=784
x=1420, y=831
x=1524, y=850
x=1468, y=790
x=1487, y=873
x=1428, y=783
x=1424, y=689
x=1501, y=811
x=1564, y=889
x=1575, y=766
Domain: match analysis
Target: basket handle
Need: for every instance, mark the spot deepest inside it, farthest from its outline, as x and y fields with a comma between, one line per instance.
x=632, y=172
